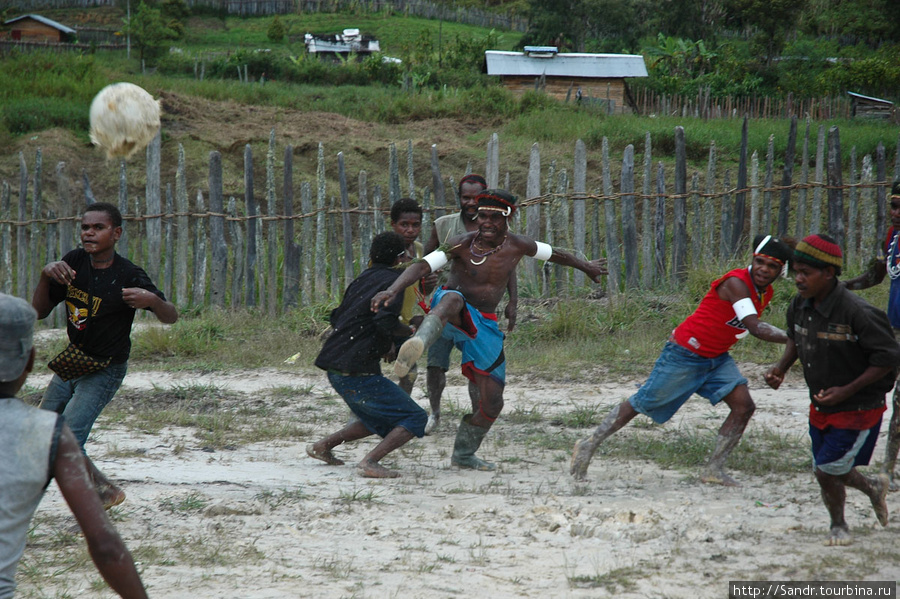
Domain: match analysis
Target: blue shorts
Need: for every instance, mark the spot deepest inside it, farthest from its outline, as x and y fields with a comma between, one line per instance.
x=836, y=451
x=379, y=403
x=479, y=339
x=678, y=374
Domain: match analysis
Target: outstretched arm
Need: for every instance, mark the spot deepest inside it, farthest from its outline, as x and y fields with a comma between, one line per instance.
x=873, y=276
x=105, y=545
x=735, y=291
x=413, y=273
x=542, y=251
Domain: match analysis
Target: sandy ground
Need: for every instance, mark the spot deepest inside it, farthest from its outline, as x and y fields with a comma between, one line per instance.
x=265, y=521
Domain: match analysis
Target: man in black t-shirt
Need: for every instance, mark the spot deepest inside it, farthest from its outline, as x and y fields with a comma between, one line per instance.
x=352, y=354
x=101, y=291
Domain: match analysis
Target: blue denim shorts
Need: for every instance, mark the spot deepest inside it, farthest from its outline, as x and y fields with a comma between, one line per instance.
x=837, y=450
x=678, y=374
x=80, y=400
x=439, y=354
x=379, y=403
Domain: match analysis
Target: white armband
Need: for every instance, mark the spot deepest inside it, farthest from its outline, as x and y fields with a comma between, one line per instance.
x=436, y=259
x=744, y=308
x=544, y=251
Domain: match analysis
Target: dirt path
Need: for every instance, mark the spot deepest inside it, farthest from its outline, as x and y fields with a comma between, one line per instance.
x=261, y=520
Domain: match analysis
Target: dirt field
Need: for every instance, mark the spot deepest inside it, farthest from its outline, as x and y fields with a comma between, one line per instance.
x=262, y=520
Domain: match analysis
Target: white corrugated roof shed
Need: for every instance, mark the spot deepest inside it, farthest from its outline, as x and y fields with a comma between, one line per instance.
x=45, y=21
x=566, y=65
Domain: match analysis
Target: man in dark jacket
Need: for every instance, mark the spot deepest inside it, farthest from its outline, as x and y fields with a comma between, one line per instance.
x=352, y=354
x=849, y=359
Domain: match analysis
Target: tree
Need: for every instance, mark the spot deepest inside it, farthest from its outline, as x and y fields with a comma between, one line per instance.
x=773, y=21
x=276, y=30
x=148, y=31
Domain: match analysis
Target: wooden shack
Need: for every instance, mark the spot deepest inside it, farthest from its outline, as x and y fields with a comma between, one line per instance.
x=35, y=28
x=337, y=46
x=572, y=77
x=868, y=107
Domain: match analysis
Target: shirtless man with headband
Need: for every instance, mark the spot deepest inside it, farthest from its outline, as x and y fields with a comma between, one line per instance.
x=481, y=263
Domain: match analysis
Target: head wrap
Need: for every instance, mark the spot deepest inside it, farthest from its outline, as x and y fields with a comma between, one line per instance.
x=497, y=199
x=819, y=251
x=473, y=178
x=772, y=248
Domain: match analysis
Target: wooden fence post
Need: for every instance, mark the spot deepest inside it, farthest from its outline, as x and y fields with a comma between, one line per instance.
x=787, y=178
x=125, y=239
x=660, y=222
x=321, y=229
x=153, y=201
x=5, y=239
x=880, y=191
x=67, y=225
x=307, y=245
x=697, y=239
x=560, y=219
x=335, y=255
x=169, y=244
x=579, y=186
x=613, y=262
x=21, y=235
x=34, y=251
x=740, y=200
x=815, y=224
x=546, y=271
x=852, y=249
x=769, y=183
x=181, y=201
x=394, y=193
x=629, y=226
x=345, y=222
x=365, y=219
x=869, y=236
x=217, y=232
x=271, y=230
x=410, y=171
x=252, y=231
x=437, y=184
x=199, y=282
x=376, y=207
x=647, y=261
x=801, y=228
x=679, y=250
x=291, y=269
x=492, y=168
x=754, y=194
x=726, y=243
x=237, y=253
x=533, y=211
x=835, y=182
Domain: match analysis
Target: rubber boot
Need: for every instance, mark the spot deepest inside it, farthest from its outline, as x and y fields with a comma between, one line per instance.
x=468, y=440
x=411, y=350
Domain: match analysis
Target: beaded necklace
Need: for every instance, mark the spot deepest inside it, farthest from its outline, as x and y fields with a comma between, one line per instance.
x=485, y=255
x=893, y=267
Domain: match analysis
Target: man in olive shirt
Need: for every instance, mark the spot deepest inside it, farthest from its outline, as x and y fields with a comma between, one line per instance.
x=849, y=359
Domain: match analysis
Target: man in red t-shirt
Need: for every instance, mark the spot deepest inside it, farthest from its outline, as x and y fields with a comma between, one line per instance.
x=696, y=360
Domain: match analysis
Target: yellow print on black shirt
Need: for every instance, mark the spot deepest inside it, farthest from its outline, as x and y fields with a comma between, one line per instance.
x=76, y=315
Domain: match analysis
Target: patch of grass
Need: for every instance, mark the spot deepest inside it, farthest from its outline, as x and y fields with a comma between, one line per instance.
x=614, y=581
x=358, y=496
x=191, y=502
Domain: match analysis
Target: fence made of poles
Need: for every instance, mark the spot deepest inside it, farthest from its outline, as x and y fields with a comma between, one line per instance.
x=238, y=255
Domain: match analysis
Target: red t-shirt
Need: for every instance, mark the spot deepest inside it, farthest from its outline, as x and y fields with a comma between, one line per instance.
x=714, y=327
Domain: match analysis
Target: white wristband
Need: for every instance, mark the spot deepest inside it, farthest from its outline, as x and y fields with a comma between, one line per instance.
x=436, y=259
x=544, y=251
x=744, y=308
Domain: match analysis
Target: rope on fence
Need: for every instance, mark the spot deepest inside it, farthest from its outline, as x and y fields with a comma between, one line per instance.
x=543, y=199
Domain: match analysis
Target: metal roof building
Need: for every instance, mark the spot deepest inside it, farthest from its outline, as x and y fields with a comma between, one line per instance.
x=37, y=28
x=570, y=76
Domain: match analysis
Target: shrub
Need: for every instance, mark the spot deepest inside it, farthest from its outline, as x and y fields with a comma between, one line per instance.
x=276, y=30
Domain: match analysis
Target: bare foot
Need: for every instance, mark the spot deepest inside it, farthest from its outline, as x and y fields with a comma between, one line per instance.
x=410, y=351
x=714, y=477
x=838, y=537
x=325, y=455
x=880, y=486
x=581, y=458
x=433, y=421
x=375, y=470
x=111, y=496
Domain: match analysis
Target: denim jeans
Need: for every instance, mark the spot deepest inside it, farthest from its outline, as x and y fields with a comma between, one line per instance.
x=81, y=400
x=379, y=403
